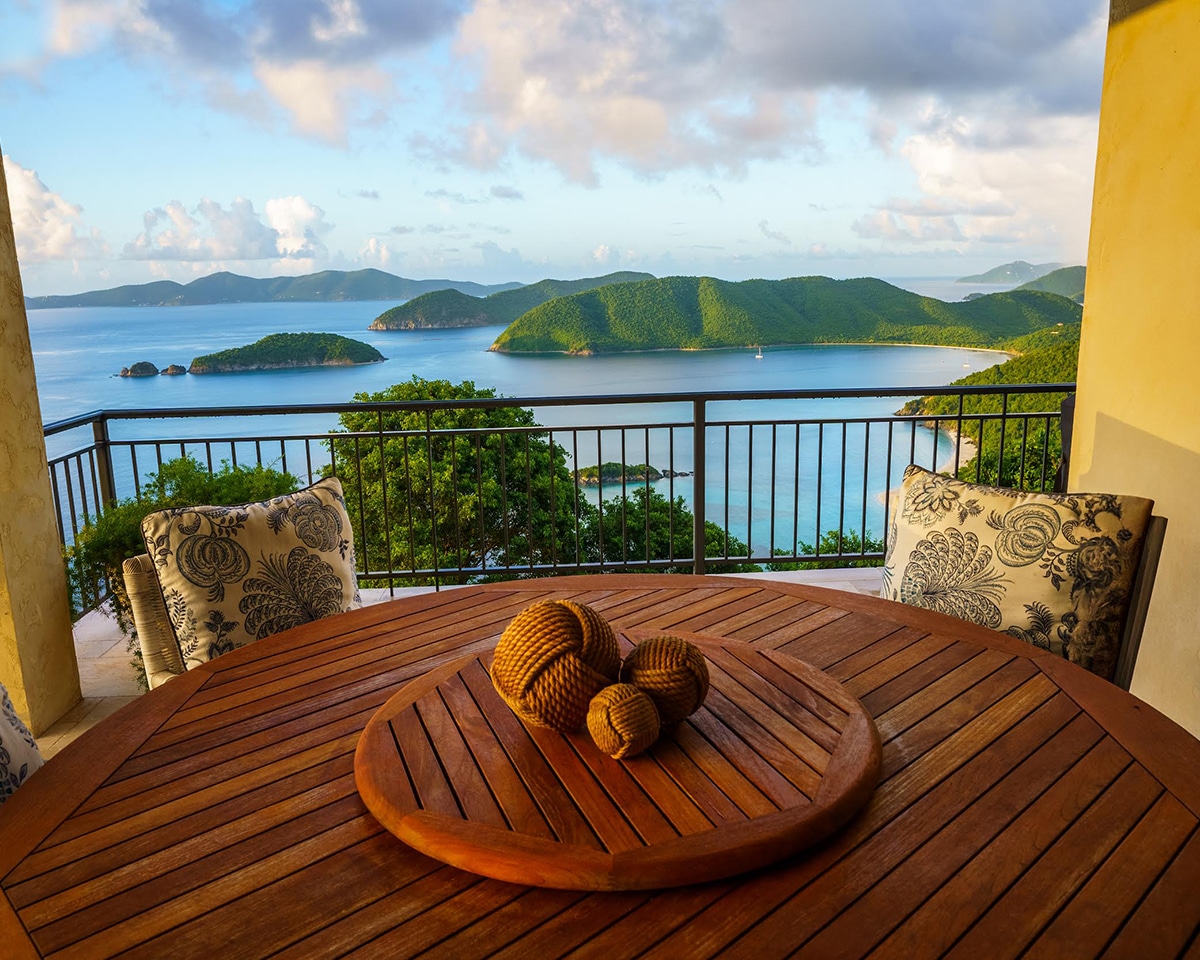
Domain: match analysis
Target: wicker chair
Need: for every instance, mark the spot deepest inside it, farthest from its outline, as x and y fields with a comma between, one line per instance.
x=160, y=652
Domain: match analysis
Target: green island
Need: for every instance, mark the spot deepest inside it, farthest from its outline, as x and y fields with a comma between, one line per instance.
x=612, y=472
x=451, y=308
x=281, y=351
x=1019, y=271
x=696, y=313
x=1067, y=282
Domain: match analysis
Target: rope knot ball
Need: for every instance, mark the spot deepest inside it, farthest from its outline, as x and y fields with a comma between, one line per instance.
x=672, y=672
x=552, y=659
x=622, y=720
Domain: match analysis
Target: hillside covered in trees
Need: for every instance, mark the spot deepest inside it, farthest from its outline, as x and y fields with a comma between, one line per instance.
x=1052, y=357
x=450, y=308
x=281, y=351
x=1067, y=282
x=224, y=287
x=694, y=313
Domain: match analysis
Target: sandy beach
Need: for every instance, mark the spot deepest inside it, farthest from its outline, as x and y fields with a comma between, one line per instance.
x=964, y=449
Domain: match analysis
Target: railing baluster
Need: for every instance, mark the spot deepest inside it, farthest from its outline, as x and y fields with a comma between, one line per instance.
x=699, y=482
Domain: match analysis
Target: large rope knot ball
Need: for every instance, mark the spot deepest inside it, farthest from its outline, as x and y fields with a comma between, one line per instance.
x=552, y=658
x=672, y=672
x=622, y=720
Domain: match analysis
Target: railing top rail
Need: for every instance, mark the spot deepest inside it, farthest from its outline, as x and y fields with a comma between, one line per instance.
x=60, y=426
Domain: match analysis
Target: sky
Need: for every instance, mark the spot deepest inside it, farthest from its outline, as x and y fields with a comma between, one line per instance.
x=512, y=140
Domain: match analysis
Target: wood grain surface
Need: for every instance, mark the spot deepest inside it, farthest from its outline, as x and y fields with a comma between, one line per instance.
x=1024, y=808
x=777, y=758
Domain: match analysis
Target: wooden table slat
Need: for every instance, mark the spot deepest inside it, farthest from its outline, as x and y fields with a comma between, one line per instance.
x=1093, y=918
x=958, y=903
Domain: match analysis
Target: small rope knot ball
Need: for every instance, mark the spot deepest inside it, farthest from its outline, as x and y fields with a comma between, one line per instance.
x=552, y=658
x=672, y=672
x=622, y=720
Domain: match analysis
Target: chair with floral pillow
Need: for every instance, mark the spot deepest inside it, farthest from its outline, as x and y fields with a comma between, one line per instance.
x=19, y=754
x=215, y=578
x=1070, y=572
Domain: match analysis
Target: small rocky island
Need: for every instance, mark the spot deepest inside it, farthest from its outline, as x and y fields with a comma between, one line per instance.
x=613, y=472
x=143, y=368
x=173, y=370
x=283, y=351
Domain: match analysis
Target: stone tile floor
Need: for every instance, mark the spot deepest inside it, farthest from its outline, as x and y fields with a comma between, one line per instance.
x=106, y=676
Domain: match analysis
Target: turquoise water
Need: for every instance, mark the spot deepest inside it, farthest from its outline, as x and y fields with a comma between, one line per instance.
x=79, y=351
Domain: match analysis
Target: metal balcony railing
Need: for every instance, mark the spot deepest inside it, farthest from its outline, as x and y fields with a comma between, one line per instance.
x=444, y=492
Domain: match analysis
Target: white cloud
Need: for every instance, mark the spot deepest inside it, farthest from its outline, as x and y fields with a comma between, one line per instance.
x=319, y=97
x=375, y=253
x=299, y=227
x=985, y=189
x=602, y=253
x=47, y=227
x=210, y=232
x=716, y=84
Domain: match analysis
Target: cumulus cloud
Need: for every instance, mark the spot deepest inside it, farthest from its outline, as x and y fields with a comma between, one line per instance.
x=298, y=227
x=291, y=231
x=716, y=84
x=47, y=227
x=321, y=61
x=376, y=253
x=986, y=190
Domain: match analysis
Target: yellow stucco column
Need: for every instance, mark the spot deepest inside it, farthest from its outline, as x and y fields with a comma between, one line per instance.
x=1137, y=416
x=37, y=652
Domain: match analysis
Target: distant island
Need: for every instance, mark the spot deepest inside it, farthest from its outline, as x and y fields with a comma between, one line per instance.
x=692, y=313
x=1067, y=282
x=225, y=287
x=281, y=351
x=1016, y=272
x=611, y=472
x=143, y=368
x=452, y=308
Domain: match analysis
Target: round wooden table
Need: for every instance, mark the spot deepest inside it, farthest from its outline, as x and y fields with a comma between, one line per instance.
x=1024, y=808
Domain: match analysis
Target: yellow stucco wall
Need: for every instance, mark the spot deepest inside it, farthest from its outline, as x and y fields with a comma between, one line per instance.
x=37, y=653
x=1137, y=419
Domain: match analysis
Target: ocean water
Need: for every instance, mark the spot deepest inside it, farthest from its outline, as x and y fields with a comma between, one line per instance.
x=78, y=353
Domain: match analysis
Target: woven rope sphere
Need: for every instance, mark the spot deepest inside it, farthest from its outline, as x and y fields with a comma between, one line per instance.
x=552, y=658
x=672, y=672
x=622, y=720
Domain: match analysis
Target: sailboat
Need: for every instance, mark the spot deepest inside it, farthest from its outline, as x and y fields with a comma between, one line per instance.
x=758, y=356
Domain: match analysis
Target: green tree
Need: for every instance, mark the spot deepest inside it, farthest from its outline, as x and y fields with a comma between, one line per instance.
x=644, y=525
x=470, y=489
x=844, y=549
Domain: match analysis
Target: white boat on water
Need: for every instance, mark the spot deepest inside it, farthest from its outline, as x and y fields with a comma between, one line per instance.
x=758, y=356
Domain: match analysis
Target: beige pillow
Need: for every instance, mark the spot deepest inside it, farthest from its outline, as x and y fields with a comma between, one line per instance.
x=231, y=575
x=1052, y=569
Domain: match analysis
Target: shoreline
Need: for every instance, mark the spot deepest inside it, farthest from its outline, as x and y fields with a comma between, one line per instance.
x=784, y=346
x=965, y=448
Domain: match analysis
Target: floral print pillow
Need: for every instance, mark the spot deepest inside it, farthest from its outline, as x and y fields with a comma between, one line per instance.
x=1052, y=569
x=231, y=575
x=19, y=755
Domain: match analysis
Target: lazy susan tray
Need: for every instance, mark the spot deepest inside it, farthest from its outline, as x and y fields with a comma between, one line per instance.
x=778, y=758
